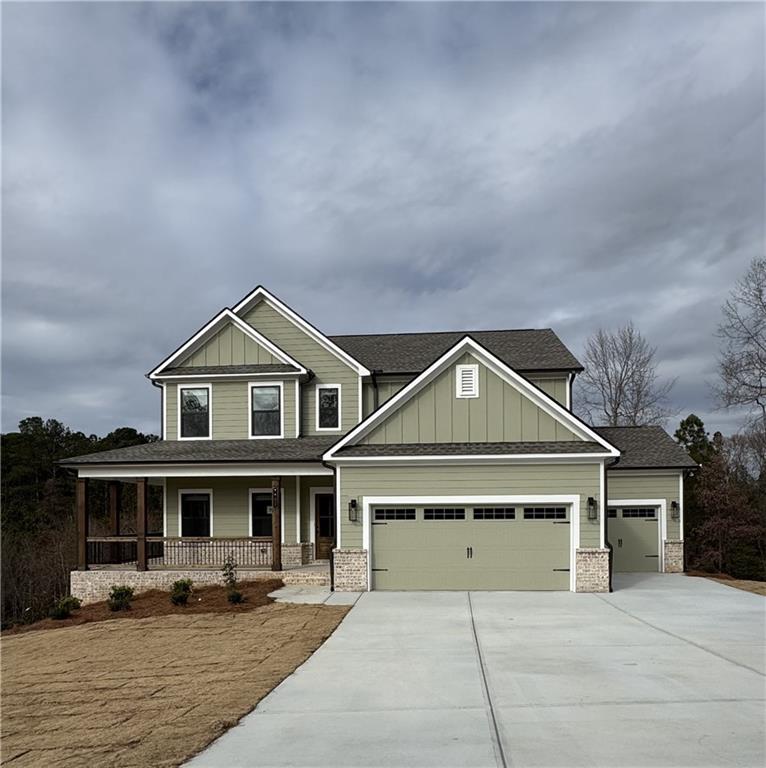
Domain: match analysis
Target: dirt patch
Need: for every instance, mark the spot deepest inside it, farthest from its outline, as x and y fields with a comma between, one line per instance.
x=147, y=692
x=757, y=587
x=156, y=602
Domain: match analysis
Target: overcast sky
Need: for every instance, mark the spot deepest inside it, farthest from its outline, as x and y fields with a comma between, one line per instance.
x=379, y=168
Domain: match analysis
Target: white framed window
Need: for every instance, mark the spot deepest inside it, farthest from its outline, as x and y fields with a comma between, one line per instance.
x=467, y=380
x=195, y=411
x=327, y=397
x=195, y=512
x=266, y=410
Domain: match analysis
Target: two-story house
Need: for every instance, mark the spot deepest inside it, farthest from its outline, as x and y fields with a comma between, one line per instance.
x=390, y=461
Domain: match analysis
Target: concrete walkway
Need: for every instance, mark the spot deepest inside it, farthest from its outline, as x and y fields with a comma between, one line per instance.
x=666, y=671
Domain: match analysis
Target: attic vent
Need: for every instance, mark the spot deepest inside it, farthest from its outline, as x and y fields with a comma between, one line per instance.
x=467, y=381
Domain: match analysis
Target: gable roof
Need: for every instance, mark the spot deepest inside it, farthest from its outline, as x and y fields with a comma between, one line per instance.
x=204, y=334
x=551, y=447
x=261, y=294
x=646, y=448
x=523, y=350
x=497, y=366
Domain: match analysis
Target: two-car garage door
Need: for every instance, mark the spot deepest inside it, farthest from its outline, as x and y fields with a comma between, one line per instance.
x=470, y=547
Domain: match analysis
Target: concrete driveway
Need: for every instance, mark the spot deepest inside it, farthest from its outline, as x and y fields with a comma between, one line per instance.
x=666, y=671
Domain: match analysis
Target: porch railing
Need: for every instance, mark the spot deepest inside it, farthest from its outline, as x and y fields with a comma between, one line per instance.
x=175, y=552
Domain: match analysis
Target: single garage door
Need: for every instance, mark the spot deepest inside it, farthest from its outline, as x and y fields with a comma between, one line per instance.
x=470, y=547
x=634, y=536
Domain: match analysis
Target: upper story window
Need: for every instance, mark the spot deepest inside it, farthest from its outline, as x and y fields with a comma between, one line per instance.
x=467, y=380
x=328, y=406
x=266, y=415
x=194, y=422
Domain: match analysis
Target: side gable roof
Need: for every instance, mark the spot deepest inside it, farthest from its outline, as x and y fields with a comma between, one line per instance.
x=497, y=366
x=204, y=334
x=646, y=448
x=261, y=294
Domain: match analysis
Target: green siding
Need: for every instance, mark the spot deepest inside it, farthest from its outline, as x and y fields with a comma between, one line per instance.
x=231, y=418
x=636, y=484
x=357, y=482
x=555, y=387
x=231, y=505
x=500, y=414
x=327, y=368
x=230, y=346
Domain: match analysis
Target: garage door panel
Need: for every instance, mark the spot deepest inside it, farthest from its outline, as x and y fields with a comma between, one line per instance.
x=470, y=554
x=635, y=542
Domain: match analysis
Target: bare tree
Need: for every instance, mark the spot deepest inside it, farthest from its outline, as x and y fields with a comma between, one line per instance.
x=742, y=364
x=620, y=386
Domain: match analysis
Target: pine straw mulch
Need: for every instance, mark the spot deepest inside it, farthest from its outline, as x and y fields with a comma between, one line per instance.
x=137, y=692
x=748, y=585
x=156, y=602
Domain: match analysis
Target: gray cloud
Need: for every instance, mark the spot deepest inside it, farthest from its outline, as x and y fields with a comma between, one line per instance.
x=379, y=167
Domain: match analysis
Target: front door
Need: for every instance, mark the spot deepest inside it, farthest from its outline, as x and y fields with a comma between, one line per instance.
x=324, y=518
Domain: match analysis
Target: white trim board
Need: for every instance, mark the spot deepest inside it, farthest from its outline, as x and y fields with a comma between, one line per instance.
x=490, y=499
x=209, y=330
x=540, y=398
x=181, y=491
x=493, y=458
x=662, y=528
x=249, y=469
x=261, y=294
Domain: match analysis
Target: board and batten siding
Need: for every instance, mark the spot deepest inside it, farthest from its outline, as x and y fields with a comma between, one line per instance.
x=501, y=413
x=639, y=484
x=231, y=415
x=231, y=503
x=230, y=346
x=474, y=480
x=555, y=387
x=327, y=368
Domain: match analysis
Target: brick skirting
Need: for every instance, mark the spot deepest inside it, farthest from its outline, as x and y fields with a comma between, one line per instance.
x=592, y=570
x=674, y=556
x=350, y=570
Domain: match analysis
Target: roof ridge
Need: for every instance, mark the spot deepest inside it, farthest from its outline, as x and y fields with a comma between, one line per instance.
x=434, y=333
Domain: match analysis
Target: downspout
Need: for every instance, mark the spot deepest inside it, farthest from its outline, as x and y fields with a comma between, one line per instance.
x=375, y=388
x=332, y=555
x=607, y=543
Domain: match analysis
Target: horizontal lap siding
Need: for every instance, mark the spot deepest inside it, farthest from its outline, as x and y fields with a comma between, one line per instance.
x=171, y=412
x=327, y=368
x=632, y=484
x=231, y=505
x=572, y=479
x=501, y=413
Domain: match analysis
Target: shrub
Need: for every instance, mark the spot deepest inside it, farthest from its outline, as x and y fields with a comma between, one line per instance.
x=64, y=607
x=119, y=598
x=180, y=591
x=72, y=602
x=229, y=572
x=235, y=596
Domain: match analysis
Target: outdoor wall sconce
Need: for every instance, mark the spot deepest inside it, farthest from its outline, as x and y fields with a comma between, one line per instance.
x=352, y=511
x=591, y=508
x=675, y=511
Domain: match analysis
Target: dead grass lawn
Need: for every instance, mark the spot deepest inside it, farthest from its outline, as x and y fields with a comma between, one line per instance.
x=147, y=692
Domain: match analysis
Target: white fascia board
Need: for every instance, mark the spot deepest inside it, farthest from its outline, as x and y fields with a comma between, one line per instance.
x=260, y=469
x=229, y=376
x=209, y=330
x=467, y=344
x=261, y=294
x=515, y=458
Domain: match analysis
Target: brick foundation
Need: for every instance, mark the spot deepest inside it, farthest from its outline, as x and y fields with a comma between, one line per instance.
x=93, y=586
x=294, y=555
x=674, y=556
x=592, y=570
x=350, y=570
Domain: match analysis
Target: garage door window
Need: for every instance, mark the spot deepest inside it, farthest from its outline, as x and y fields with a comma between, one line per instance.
x=442, y=513
x=494, y=513
x=395, y=514
x=612, y=512
x=545, y=513
x=645, y=512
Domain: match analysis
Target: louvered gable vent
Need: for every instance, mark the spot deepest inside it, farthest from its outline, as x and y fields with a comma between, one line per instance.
x=467, y=381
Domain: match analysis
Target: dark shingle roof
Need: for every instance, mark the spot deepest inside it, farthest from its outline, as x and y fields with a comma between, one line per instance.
x=468, y=449
x=646, y=448
x=191, y=451
x=523, y=350
x=212, y=370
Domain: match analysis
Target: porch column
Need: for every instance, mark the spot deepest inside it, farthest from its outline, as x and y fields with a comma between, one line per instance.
x=82, y=523
x=276, y=524
x=142, y=486
x=115, y=498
